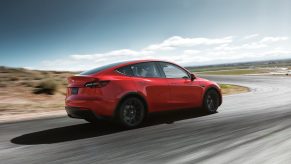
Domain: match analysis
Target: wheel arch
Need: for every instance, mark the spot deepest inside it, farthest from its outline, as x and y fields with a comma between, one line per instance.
x=215, y=88
x=131, y=94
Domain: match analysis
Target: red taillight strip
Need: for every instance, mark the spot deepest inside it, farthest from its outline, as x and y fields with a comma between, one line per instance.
x=97, y=84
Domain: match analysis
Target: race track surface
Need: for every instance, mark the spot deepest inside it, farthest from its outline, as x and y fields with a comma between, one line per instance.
x=252, y=127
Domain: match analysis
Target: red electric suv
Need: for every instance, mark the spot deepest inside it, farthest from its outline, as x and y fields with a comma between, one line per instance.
x=128, y=91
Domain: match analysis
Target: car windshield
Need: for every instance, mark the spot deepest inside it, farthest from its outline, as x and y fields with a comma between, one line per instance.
x=98, y=69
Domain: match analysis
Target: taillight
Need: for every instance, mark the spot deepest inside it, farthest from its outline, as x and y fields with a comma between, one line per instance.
x=97, y=84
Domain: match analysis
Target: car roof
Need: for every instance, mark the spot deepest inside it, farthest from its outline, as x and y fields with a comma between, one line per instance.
x=139, y=61
x=125, y=63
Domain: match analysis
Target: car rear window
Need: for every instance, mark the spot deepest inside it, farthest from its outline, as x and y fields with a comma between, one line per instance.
x=98, y=69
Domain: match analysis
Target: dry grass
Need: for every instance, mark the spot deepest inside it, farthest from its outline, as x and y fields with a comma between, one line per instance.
x=18, y=88
x=46, y=86
x=228, y=89
x=236, y=72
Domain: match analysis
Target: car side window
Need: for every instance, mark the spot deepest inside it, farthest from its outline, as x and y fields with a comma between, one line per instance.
x=172, y=71
x=125, y=70
x=148, y=69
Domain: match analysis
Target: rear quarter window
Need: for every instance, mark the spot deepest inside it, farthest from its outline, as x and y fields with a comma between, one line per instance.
x=125, y=71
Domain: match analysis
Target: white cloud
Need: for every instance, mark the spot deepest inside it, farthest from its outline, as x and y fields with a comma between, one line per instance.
x=253, y=45
x=178, y=41
x=115, y=53
x=155, y=47
x=28, y=68
x=185, y=51
x=282, y=53
x=191, y=52
x=251, y=36
x=273, y=39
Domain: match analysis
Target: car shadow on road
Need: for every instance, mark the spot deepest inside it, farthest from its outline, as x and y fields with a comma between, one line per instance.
x=88, y=130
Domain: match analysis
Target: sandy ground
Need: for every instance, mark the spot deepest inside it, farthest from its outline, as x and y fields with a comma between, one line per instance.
x=31, y=116
x=16, y=106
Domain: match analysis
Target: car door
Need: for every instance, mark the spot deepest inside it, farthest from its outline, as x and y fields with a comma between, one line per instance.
x=184, y=93
x=150, y=81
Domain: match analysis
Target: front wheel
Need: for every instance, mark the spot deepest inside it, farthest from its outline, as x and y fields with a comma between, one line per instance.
x=131, y=112
x=211, y=101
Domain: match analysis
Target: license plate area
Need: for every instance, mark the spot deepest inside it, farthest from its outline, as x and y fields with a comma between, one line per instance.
x=74, y=91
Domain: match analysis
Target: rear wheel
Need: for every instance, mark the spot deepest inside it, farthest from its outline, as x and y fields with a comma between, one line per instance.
x=131, y=112
x=211, y=101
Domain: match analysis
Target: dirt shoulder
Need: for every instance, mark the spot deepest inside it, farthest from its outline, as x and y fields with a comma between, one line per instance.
x=31, y=94
x=251, y=71
x=228, y=89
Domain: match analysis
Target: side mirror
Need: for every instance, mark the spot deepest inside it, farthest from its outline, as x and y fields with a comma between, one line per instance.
x=193, y=77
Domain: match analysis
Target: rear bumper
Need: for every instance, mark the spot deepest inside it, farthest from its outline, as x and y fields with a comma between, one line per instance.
x=76, y=112
x=98, y=106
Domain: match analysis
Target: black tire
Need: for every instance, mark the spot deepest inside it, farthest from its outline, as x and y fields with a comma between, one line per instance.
x=211, y=101
x=131, y=112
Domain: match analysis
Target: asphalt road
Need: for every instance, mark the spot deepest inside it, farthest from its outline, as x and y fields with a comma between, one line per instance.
x=252, y=127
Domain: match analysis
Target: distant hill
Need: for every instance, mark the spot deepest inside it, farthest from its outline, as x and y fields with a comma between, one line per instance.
x=244, y=65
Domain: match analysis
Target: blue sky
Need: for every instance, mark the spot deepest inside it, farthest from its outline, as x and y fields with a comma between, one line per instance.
x=77, y=35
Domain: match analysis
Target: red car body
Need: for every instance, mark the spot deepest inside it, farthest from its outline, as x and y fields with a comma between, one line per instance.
x=99, y=92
